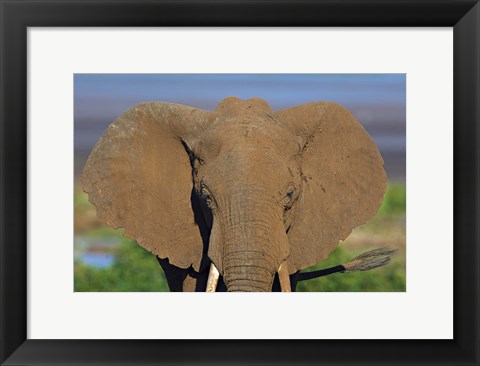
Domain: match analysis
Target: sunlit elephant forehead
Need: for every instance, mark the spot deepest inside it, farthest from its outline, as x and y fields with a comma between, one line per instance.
x=261, y=167
x=259, y=135
x=234, y=105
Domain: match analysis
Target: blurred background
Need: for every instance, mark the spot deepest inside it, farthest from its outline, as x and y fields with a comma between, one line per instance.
x=106, y=261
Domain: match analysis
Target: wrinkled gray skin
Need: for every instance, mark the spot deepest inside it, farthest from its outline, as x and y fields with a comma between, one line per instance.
x=243, y=187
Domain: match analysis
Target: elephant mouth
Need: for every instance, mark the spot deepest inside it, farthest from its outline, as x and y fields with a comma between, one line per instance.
x=283, y=276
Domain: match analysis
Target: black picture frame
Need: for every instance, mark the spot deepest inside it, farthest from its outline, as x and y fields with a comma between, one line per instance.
x=17, y=15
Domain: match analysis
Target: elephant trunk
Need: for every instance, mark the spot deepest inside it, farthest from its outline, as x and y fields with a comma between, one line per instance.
x=252, y=252
x=248, y=271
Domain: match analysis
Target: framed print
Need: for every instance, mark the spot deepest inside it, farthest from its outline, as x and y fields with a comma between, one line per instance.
x=404, y=80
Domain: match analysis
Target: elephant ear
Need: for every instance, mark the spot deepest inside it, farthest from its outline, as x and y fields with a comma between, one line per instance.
x=139, y=177
x=343, y=179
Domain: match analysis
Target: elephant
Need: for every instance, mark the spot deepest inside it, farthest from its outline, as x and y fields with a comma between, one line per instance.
x=238, y=199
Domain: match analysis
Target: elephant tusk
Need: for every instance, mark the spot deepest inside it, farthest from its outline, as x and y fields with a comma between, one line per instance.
x=284, y=277
x=213, y=276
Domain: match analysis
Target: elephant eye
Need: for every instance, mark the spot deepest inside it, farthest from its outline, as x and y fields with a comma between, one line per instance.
x=205, y=196
x=291, y=190
x=289, y=197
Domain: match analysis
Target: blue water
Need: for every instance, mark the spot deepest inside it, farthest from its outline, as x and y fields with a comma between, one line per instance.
x=99, y=260
x=96, y=251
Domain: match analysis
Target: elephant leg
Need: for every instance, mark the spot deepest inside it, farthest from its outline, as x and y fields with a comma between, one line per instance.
x=197, y=282
x=190, y=284
x=175, y=276
x=293, y=282
x=187, y=280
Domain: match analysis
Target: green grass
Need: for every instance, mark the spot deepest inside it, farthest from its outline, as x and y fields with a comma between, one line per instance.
x=134, y=270
x=390, y=278
x=137, y=270
x=394, y=201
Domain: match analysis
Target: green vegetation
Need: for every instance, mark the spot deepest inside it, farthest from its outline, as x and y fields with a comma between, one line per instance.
x=390, y=278
x=135, y=269
x=394, y=202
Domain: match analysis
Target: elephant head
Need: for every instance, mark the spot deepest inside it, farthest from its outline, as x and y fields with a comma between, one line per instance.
x=273, y=189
